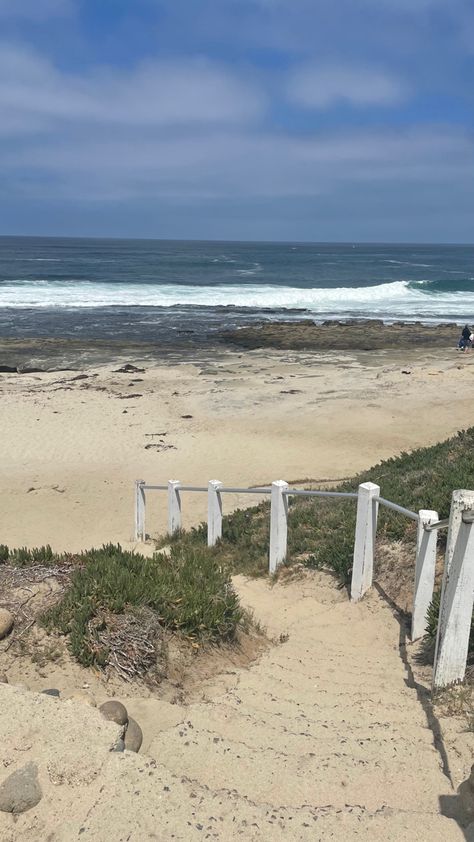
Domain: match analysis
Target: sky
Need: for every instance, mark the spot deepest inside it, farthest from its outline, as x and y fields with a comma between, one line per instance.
x=319, y=120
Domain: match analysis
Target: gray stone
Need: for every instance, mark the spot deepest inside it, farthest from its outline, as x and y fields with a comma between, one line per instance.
x=133, y=736
x=115, y=711
x=6, y=622
x=119, y=746
x=466, y=798
x=21, y=790
x=51, y=692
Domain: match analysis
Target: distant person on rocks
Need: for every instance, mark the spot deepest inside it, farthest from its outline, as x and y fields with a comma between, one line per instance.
x=465, y=343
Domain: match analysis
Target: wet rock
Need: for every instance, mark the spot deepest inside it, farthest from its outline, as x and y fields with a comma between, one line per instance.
x=133, y=736
x=6, y=622
x=115, y=711
x=51, y=691
x=128, y=369
x=21, y=790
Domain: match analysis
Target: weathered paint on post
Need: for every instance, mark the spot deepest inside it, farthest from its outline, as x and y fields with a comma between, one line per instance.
x=140, y=510
x=174, y=506
x=278, y=524
x=364, y=544
x=424, y=571
x=454, y=623
x=214, y=512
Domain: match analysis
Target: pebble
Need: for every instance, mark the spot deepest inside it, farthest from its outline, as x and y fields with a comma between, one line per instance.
x=115, y=711
x=3, y=678
x=51, y=692
x=119, y=746
x=21, y=790
x=6, y=622
x=133, y=736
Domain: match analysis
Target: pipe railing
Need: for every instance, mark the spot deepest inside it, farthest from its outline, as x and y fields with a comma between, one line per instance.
x=458, y=582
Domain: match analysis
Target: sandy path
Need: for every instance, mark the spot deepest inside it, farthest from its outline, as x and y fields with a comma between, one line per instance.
x=323, y=738
x=72, y=448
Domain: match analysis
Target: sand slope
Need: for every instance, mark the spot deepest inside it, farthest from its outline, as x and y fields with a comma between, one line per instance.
x=323, y=738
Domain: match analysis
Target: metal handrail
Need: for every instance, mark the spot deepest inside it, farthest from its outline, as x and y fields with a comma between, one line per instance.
x=439, y=524
x=229, y=490
x=396, y=508
x=467, y=517
x=294, y=492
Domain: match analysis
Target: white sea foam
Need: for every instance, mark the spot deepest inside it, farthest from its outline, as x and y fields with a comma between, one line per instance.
x=391, y=300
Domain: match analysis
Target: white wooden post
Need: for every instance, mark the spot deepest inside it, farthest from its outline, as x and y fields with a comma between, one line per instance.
x=364, y=544
x=140, y=510
x=278, y=524
x=424, y=571
x=214, y=512
x=455, y=613
x=174, y=506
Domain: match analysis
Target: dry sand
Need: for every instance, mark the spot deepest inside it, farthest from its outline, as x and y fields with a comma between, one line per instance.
x=73, y=443
x=328, y=736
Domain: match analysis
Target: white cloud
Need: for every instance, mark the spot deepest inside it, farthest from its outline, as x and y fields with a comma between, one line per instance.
x=33, y=93
x=232, y=165
x=316, y=86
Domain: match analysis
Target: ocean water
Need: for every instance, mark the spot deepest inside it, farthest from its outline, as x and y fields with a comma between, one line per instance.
x=153, y=289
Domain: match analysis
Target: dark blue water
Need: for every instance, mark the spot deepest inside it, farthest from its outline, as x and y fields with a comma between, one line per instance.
x=132, y=288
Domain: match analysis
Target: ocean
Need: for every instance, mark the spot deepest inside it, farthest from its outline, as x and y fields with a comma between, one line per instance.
x=156, y=289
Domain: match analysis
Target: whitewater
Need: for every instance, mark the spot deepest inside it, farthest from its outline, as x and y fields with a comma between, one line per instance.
x=388, y=301
x=148, y=289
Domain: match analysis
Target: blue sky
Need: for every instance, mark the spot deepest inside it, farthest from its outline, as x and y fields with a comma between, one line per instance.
x=238, y=119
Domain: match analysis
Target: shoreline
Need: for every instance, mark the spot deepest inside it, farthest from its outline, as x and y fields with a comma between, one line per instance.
x=67, y=353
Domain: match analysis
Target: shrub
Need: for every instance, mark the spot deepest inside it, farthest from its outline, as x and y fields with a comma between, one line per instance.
x=188, y=590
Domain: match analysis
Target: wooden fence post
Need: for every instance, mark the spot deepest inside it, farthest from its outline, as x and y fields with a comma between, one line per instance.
x=278, y=524
x=174, y=506
x=364, y=544
x=455, y=613
x=214, y=512
x=140, y=534
x=424, y=571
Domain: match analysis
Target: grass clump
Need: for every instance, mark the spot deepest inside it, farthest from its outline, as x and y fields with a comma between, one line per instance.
x=187, y=591
x=321, y=531
x=23, y=557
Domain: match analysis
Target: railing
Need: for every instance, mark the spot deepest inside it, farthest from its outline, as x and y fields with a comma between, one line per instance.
x=457, y=592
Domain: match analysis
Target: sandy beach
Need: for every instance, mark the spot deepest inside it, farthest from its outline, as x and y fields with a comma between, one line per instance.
x=75, y=441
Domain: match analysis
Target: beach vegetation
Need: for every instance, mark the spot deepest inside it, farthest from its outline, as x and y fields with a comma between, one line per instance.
x=187, y=591
x=321, y=530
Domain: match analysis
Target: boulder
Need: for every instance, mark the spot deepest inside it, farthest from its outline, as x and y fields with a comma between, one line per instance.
x=21, y=790
x=133, y=736
x=6, y=622
x=466, y=798
x=115, y=711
